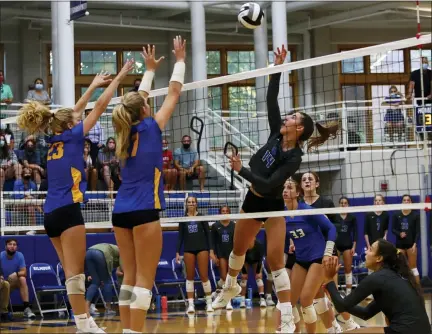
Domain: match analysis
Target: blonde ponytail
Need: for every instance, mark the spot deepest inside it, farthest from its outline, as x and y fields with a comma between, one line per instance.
x=122, y=123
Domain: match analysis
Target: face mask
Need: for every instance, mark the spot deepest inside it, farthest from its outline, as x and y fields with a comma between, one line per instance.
x=165, y=148
x=137, y=86
x=27, y=177
x=30, y=148
x=425, y=66
x=2, y=142
x=39, y=86
x=111, y=146
x=393, y=94
x=186, y=146
x=10, y=253
x=1, y=80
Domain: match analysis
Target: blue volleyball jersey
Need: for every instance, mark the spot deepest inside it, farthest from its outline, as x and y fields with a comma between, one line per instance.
x=307, y=233
x=65, y=167
x=142, y=178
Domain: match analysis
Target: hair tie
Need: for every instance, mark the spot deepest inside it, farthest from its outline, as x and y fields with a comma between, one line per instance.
x=398, y=252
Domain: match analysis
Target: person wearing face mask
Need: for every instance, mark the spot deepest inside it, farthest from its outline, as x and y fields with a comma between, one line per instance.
x=110, y=165
x=96, y=138
x=187, y=163
x=15, y=271
x=394, y=119
x=9, y=166
x=137, y=83
x=415, y=85
x=23, y=189
x=170, y=173
x=90, y=171
x=9, y=136
x=6, y=95
x=32, y=160
x=38, y=93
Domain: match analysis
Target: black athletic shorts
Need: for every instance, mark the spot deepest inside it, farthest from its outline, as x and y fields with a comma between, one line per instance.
x=132, y=219
x=291, y=260
x=253, y=203
x=62, y=219
x=403, y=246
x=257, y=270
x=306, y=265
x=342, y=248
x=196, y=252
x=388, y=330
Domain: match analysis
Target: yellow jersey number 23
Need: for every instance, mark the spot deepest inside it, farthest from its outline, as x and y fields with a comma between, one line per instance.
x=55, y=151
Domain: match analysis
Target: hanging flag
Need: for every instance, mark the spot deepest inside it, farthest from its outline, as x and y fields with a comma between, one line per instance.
x=78, y=9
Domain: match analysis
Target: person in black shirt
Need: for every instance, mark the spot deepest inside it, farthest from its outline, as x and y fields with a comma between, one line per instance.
x=196, y=240
x=222, y=235
x=406, y=228
x=394, y=288
x=310, y=183
x=376, y=223
x=346, y=241
x=270, y=167
x=416, y=86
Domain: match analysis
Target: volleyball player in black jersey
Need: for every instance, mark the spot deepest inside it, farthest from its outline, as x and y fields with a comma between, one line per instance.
x=253, y=260
x=270, y=167
x=196, y=240
x=346, y=241
x=222, y=235
x=406, y=228
x=310, y=183
x=395, y=291
x=376, y=223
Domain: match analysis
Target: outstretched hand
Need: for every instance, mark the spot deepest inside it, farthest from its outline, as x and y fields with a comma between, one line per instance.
x=179, y=49
x=331, y=267
x=150, y=60
x=280, y=55
x=127, y=67
x=101, y=79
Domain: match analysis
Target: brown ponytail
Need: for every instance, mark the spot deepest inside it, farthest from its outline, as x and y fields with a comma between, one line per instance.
x=329, y=131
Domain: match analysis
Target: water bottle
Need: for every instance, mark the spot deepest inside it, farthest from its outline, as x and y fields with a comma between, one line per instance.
x=250, y=293
x=158, y=302
x=164, y=303
x=248, y=303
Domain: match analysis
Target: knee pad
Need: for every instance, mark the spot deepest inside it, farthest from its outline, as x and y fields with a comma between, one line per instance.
x=270, y=277
x=125, y=295
x=278, y=305
x=296, y=314
x=259, y=282
x=141, y=298
x=206, y=287
x=236, y=262
x=320, y=305
x=415, y=272
x=220, y=283
x=189, y=286
x=281, y=280
x=75, y=285
x=243, y=283
x=309, y=314
x=348, y=279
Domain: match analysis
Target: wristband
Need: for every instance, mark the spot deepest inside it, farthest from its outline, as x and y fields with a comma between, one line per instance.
x=329, y=248
x=146, y=81
x=178, y=72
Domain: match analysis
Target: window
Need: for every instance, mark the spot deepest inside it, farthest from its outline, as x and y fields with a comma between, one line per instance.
x=97, y=93
x=415, y=58
x=353, y=65
x=94, y=62
x=242, y=98
x=240, y=61
x=356, y=113
x=215, y=98
x=388, y=62
x=213, y=62
x=139, y=67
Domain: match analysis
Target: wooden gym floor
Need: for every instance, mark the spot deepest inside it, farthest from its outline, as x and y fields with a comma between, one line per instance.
x=254, y=320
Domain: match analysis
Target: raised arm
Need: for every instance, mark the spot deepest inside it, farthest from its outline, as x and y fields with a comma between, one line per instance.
x=152, y=65
x=176, y=83
x=102, y=102
x=99, y=80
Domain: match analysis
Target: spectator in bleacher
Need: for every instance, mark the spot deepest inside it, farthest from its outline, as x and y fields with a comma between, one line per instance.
x=9, y=165
x=31, y=159
x=170, y=173
x=196, y=240
x=6, y=95
x=96, y=137
x=38, y=93
x=223, y=236
x=394, y=118
x=376, y=223
x=406, y=228
x=4, y=296
x=7, y=132
x=110, y=165
x=346, y=241
x=90, y=170
x=26, y=185
x=187, y=163
x=14, y=269
x=415, y=84
x=137, y=83
x=100, y=261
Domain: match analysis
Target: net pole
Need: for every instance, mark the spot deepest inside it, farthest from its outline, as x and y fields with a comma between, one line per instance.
x=2, y=214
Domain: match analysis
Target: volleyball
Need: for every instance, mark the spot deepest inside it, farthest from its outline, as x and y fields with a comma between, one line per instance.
x=250, y=15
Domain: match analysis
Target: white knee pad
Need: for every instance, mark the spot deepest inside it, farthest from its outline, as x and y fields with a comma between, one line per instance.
x=189, y=286
x=296, y=314
x=270, y=277
x=125, y=295
x=236, y=262
x=259, y=282
x=243, y=283
x=281, y=280
x=206, y=287
x=220, y=283
x=75, y=285
x=141, y=298
x=309, y=314
x=415, y=272
x=320, y=305
x=348, y=278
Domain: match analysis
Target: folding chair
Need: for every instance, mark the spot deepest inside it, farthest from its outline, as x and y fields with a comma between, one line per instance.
x=166, y=276
x=44, y=280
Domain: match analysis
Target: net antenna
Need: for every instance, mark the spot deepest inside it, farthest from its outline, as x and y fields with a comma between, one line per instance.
x=234, y=152
x=198, y=130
